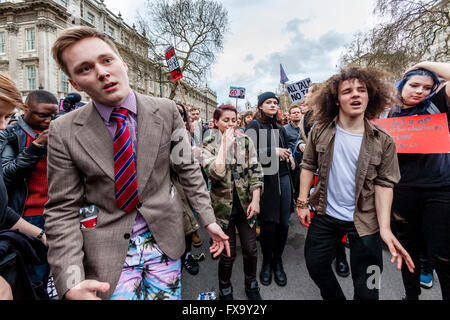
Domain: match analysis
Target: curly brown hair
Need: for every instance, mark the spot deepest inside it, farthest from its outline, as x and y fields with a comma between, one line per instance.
x=381, y=93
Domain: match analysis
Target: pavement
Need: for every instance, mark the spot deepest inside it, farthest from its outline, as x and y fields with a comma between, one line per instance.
x=299, y=285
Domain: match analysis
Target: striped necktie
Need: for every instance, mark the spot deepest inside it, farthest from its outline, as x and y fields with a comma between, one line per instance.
x=124, y=164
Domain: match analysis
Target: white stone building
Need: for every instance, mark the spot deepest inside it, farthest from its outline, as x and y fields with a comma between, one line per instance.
x=28, y=29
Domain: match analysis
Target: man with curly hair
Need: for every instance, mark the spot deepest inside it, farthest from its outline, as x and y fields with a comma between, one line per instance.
x=358, y=168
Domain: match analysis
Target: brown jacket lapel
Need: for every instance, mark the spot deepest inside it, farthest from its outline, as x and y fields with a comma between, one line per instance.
x=95, y=139
x=150, y=126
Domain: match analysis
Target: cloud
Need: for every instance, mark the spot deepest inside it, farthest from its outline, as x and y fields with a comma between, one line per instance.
x=301, y=57
x=306, y=37
x=249, y=58
x=304, y=56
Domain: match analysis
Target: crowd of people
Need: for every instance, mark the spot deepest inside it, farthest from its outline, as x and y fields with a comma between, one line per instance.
x=105, y=202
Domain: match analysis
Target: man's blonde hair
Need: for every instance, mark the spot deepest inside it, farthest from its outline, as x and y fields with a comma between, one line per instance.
x=72, y=35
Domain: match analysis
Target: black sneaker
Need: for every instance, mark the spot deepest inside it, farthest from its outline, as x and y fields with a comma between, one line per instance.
x=226, y=294
x=199, y=257
x=253, y=292
x=191, y=265
x=405, y=297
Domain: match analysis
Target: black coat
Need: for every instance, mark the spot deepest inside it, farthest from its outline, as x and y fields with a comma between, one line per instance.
x=18, y=251
x=270, y=204
x=18, y=162
x=8, y=217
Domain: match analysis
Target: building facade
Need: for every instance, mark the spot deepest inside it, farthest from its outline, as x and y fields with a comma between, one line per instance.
x=28, y=29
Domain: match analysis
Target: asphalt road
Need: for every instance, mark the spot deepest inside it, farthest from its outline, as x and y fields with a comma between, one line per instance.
x=299, y=285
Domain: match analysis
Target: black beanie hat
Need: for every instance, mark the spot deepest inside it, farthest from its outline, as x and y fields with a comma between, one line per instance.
x=267, y=95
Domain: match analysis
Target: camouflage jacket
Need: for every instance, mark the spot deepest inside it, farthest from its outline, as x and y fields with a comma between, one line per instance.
x=242, y=169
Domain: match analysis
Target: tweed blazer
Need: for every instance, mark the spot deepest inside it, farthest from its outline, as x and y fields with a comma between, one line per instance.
x=81, y=172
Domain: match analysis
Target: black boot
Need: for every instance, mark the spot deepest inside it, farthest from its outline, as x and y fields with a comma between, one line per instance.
x=265, y=275
x=252, y=291
x=342, y=268
x=280, y=275
x=226, y=293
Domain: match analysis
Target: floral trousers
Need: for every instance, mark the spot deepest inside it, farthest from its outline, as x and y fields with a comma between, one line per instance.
x=148, y=274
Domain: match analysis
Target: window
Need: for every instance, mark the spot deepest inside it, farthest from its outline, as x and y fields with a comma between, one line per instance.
x=90, y=18
x=111, y=31
x=64, y=83
x=31, y=77
x=31, y=39
x=63, y=3
x=2, y=43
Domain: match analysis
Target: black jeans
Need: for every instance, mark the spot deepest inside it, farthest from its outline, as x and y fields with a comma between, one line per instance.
x=365, y=256
x=422, y=220
x=273, y=235
x=247, y=236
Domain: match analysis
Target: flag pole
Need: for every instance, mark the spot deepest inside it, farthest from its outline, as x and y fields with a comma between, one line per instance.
x=182, y=93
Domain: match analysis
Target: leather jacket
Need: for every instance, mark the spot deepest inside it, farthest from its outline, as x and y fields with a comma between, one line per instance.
x=18, y=161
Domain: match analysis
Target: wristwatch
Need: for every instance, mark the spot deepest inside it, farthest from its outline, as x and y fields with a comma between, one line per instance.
x=39, y=236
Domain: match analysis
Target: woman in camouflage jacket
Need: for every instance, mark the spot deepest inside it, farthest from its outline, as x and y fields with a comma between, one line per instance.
x=231, y=162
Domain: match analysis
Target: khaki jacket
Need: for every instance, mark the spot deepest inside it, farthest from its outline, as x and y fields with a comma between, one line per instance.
x=242, y=170
x=377, y=165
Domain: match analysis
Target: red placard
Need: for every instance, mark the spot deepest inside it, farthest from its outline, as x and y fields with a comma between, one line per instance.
x=418, y=134
x=172, y=64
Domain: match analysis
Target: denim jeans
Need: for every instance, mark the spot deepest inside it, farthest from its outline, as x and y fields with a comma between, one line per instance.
x=422, y=220
x=38, y=273
x=320, y=250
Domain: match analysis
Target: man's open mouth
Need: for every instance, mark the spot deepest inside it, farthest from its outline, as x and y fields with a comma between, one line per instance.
x=110, y=85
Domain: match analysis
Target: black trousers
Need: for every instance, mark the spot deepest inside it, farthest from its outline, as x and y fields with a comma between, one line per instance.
x=247, y=237
x=422, y=221
x=273, y=235
x=365, y=258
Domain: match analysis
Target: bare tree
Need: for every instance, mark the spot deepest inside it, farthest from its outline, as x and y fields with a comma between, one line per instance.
x=195, y=28
x=415, y=30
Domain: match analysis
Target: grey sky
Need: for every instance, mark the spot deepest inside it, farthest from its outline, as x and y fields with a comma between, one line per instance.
x=306, y=37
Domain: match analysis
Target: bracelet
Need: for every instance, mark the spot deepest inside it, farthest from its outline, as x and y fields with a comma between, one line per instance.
x=40, y=234
x=302, y=204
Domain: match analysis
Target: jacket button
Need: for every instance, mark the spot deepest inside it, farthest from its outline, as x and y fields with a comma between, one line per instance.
x=139, y=205
x=127, y=236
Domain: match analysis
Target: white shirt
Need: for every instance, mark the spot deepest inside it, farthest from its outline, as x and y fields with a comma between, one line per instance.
x=342, y=179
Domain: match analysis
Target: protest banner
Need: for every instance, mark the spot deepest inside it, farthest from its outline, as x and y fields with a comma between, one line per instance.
x=236, y=92
x=418, y=134
x=172, y=64
x=298, y=90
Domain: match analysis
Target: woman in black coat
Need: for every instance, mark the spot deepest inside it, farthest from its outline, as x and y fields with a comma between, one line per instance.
x=10, y=98
x=276, y=159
